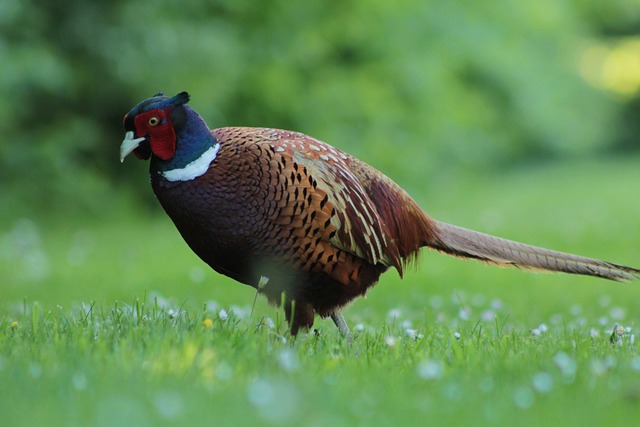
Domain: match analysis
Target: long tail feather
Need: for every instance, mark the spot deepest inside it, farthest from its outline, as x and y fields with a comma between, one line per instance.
x=465, y=243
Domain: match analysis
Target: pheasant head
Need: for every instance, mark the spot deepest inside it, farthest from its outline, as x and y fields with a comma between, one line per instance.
x=175, y=138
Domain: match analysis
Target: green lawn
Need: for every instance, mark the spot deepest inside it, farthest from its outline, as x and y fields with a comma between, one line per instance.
x=112, y=321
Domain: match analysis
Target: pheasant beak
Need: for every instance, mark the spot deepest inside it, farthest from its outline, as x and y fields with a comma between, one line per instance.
x=129, y=143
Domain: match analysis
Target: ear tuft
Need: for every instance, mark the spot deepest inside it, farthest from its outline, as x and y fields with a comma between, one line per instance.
x=181, y=98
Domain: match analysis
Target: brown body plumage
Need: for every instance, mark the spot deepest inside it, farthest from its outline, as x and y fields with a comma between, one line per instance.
x=291, y=208
x=303, y=222
x=321, y=224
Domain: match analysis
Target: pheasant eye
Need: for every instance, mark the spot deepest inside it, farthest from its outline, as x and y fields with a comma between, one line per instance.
x=153, y=121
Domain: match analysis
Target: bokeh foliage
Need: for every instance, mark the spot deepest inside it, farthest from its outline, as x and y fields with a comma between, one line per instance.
x=416, y=87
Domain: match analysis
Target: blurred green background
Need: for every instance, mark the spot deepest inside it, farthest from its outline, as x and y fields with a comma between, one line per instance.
x=465, y=104
x=421, y=89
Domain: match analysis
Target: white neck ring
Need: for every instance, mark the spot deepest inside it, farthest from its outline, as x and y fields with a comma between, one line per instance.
x=194, y=169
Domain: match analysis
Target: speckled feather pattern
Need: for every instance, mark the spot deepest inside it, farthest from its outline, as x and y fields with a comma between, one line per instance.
x=319, y=223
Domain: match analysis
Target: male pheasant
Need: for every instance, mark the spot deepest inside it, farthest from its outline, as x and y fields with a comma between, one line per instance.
x=298, y=219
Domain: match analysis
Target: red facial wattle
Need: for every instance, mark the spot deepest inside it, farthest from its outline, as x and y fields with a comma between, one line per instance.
x=162, y=136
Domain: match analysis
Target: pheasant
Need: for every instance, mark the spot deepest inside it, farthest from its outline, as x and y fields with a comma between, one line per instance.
x=307, y=225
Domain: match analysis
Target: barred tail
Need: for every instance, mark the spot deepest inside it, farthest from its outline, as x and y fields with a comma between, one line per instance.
x=465, y=243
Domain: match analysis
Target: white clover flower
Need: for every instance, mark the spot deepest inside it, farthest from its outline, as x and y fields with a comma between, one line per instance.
x=430, y=369
x=263, y=282
x=542, y=382
x=523, y=397
x=268, y=321
x=617, y=334
x=464, y=313
x=541, y=329
x=211, y=306
x=488, y=315
x=240, y=312
x=565, y=363
x=288, y=360
x=390, y=340
x=223, y=314
x=617, y=313
x=414, y=334
x=394, y=313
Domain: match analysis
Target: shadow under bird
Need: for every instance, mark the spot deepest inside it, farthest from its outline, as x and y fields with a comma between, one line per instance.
x=306, y=224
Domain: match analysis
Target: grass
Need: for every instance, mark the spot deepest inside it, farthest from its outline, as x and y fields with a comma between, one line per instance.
x=112, y=321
